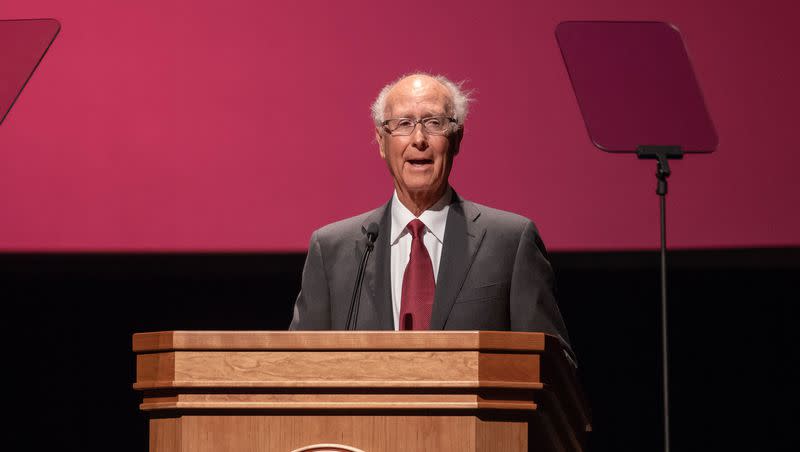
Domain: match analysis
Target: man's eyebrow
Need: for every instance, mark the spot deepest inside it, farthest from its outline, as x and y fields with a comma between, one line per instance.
x=426, y=114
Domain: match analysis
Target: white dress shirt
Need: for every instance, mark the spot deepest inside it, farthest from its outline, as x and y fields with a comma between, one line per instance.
x=435, y=220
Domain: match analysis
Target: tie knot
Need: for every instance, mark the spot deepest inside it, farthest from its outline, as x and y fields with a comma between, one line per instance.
x=415, y=227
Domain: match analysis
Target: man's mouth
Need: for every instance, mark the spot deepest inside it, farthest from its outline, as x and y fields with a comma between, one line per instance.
x=420, y=162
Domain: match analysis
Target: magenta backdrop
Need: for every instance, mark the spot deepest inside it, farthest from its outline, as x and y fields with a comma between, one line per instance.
x=244, y=125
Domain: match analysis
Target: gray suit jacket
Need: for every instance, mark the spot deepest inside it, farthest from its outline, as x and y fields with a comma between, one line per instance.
x=493, y=275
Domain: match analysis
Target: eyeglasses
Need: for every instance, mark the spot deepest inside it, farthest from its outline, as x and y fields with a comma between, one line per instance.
x=433, y=125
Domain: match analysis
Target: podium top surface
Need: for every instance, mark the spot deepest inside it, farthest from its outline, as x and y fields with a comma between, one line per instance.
x=341, y=340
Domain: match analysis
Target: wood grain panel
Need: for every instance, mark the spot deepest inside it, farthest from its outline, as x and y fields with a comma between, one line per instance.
x=335, y=340
x=369, y=433
x=505, y=435
x=303, y=369
x=155, y=367
x=165, y=434
x=325, y=366
x=496, y=369
x=345, y=401
x=467, y=369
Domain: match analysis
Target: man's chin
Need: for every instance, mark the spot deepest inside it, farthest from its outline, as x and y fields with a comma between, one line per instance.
x=419, y=180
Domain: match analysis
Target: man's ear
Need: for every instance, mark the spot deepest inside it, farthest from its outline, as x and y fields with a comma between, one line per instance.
x=380, y=139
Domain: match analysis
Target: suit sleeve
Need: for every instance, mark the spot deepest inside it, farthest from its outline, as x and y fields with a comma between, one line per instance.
x=312, y=308
x=533, y=304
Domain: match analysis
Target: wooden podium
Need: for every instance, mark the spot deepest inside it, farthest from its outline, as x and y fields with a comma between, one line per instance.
x=350, y=391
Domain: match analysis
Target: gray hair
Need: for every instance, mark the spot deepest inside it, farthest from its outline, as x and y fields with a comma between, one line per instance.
x=461, y=98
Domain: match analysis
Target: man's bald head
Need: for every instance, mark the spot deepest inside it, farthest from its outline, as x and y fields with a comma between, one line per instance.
x=455, y=100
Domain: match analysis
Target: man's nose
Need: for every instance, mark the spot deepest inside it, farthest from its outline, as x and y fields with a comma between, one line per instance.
x=419, y=139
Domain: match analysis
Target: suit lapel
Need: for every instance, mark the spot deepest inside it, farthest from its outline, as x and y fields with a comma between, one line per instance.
x=377, y=297
x=462, y=238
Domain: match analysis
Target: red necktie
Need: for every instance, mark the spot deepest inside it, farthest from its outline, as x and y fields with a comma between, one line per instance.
x=416, y=302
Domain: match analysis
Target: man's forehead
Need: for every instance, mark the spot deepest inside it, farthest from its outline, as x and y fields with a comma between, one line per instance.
x=419, y=91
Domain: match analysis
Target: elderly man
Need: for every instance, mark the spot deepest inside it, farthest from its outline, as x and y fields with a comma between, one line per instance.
x=440, y=261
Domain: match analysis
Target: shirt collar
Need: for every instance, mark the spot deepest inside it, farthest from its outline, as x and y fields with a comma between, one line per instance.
x=435, y=218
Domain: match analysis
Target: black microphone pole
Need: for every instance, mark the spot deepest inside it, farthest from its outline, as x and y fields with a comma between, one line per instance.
x=372, y=235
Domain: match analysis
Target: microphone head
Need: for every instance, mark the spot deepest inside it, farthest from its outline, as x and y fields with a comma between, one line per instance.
x=372, y=232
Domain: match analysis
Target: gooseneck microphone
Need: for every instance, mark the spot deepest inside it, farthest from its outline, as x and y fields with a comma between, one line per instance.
x=352, y=314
